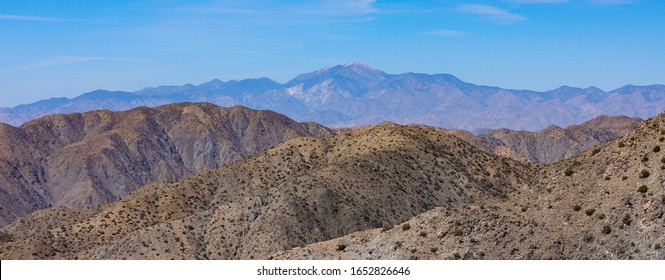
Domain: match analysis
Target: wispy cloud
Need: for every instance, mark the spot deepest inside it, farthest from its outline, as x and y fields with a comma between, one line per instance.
x=493, y=13
x=62, y=60
x=47, y=19
x=538, y=1
x=445, y=33
x=342, y=8
x=611, y=2
x=32, y=18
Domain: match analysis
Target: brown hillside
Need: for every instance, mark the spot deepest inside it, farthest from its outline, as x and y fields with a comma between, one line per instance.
x=84, y=160
x=304, y=191
x=553, y=143
x=592, y=206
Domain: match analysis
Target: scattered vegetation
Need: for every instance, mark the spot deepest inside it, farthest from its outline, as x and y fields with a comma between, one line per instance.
x=590, y=212
x=433, y=250
x=656, y=149
x=621, y=144
x=644, y=173
x=568, y=172
x=577, y=207
x=600, y=216
x=624, y=178
x=458, y=232
x=406, y=226
x=340, y=247
x=657, y=246
x=643, y=189
x=595, y=151
x=627, y=220
x=457, y=256
x=386, y=228
x=423, y=234
x=607, y=229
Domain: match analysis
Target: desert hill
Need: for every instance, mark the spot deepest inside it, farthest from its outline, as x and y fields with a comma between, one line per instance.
x=84, y=160
x=304, y=191
x=606, y=203
x=553, y=143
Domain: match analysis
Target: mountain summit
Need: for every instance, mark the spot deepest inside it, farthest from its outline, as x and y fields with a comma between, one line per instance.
x=356, y=94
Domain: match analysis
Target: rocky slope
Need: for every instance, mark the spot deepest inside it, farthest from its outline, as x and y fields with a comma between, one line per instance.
x=553, y=143
x=607, y=203
x=356, y=94
x=304, y=191
x=84, y=160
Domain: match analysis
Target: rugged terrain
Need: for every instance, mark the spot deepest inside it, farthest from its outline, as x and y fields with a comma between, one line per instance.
x=84, y=160
x=304, y=191
x=356, y=94
x=606, y=203
x=553, y=143
x=386, y=191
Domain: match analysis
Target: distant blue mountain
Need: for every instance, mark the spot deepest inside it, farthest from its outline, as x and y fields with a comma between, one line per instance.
x=356, y=94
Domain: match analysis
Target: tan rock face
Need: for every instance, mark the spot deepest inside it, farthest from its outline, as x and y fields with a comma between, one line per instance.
x=85, y=160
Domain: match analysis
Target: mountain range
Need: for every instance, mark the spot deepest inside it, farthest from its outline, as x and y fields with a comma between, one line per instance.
x=385, y=191
x=355, y=94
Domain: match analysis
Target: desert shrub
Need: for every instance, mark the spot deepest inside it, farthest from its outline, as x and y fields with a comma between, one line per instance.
x=607, y=229
x=661, y=139
x=577, y=207
x=624, y=178
x=590, y=212
x=621, y=144
x=423, y=234
x=406, y=226
x=627, y=220
x=600, y=216
x=644, y=173
x=657, y=246
x=457, y=256
x=595, y=151
x=340, y=247
x=386, y=228
x=656, y=149
x=568, y=172
x=458, y=232
x=645, y=158
x=643, y=189
x=607, y=178
x=433, y=250
x=662, y=160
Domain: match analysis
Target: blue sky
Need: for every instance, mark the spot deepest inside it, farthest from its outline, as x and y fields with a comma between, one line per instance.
x=65, y=48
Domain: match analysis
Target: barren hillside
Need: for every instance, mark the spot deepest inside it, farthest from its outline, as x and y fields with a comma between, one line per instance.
x=304, y=191
x=84, y=160
x=606, y=203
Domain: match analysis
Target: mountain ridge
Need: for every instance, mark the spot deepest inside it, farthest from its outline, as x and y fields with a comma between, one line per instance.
x=356, y=94
x=82, y=160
